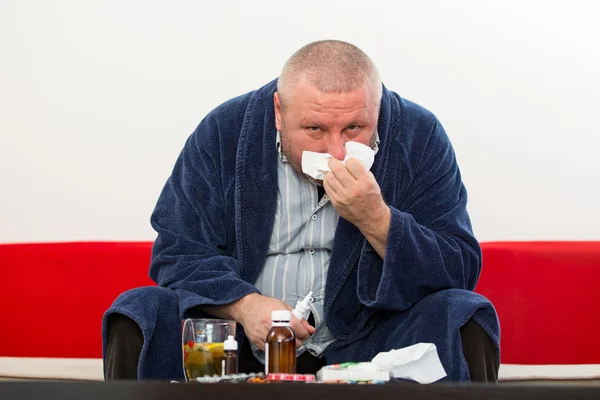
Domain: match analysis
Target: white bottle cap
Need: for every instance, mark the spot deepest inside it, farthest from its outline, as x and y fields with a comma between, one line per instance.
x=230, y=344
x=281, y=316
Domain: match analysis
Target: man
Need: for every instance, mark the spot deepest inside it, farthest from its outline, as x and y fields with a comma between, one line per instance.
x=388, y=253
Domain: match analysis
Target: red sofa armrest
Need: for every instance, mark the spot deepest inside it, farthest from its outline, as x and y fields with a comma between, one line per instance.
x=53, y=295
x=547, y=297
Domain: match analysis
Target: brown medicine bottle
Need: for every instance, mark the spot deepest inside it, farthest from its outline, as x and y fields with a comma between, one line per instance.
x=280, y=345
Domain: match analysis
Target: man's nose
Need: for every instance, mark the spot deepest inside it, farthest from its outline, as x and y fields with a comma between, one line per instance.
x=336, y=147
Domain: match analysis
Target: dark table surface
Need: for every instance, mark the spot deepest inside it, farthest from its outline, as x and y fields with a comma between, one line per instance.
x=284, y=391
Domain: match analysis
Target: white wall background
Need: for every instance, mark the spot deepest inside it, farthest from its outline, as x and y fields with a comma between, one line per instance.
x=98, y=97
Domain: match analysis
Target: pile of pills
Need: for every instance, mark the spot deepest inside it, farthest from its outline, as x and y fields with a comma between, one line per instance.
x=228, y=378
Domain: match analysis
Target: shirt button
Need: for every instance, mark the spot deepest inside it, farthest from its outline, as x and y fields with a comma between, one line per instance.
x=311, y=251
x=312, y=299
x=314, y=217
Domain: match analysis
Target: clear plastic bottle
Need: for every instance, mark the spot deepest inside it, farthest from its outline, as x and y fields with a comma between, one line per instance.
x=230, y=357
x=280, y=345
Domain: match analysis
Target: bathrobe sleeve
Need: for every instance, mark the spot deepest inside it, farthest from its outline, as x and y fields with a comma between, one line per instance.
x=193, y=253
x=430, y=244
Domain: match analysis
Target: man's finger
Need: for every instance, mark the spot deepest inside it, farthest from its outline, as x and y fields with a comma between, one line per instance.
x=340, y=172
x=309, y=328
x=333, y=195
x=299, y=330
x=260, y=344
x=356, y=169
x=332, y=184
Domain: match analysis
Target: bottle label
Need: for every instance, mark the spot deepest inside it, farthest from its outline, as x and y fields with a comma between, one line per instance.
x=266, y=358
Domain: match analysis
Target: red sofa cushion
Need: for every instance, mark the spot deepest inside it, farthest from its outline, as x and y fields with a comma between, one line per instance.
x=53, y=296
x=547, y=297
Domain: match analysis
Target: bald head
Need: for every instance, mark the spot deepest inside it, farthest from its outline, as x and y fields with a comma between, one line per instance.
x=332, y=66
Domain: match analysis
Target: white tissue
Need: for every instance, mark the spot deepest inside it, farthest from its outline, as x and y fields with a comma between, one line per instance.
x=419, y=362
x=315, y=164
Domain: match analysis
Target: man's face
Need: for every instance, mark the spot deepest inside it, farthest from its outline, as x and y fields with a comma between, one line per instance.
x=323, y=122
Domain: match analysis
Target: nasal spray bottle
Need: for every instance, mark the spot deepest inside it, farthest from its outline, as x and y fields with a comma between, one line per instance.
x=302, y=309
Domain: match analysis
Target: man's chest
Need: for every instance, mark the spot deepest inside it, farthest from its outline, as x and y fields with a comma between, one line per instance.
x=302, y=220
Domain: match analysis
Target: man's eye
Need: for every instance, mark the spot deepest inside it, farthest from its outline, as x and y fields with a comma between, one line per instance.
x=352, y=128
x=313, y=128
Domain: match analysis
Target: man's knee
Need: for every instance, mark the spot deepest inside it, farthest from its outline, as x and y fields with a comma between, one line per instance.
x=447, y=308
x=450, y=306
x=147, y=297
x=449, y=298
x=143, y=301
x=437, y=318
x=133, y=314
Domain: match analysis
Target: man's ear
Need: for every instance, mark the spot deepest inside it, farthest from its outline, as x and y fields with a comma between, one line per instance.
x=278, y=111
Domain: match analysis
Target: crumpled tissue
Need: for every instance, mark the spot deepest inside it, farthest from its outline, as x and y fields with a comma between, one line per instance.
x=315, y=164
x=419, y=362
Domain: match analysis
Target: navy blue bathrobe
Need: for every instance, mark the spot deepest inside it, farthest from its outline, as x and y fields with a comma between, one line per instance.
x=214, y=220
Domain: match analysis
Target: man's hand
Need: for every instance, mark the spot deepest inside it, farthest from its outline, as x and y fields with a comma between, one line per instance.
x=356, y=196
x=254, y=313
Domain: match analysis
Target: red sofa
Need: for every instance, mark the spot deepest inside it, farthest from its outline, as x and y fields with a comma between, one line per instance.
x=53, y=296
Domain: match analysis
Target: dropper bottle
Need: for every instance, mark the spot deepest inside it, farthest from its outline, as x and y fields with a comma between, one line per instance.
x=230, y=357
